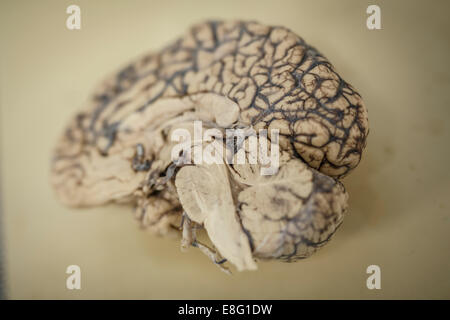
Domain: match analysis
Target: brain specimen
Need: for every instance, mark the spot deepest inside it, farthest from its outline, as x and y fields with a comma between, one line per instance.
x=225, y=75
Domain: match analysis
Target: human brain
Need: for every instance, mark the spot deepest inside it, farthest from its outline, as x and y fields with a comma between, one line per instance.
x=228, y=75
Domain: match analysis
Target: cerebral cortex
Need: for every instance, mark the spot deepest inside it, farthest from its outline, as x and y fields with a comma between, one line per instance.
x=228, y=75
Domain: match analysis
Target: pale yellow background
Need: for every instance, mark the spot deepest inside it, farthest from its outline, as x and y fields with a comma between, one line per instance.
x=399, y=195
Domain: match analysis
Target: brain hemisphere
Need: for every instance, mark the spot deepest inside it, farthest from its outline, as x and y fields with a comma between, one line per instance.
x=278, y=81
x=228, y=74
